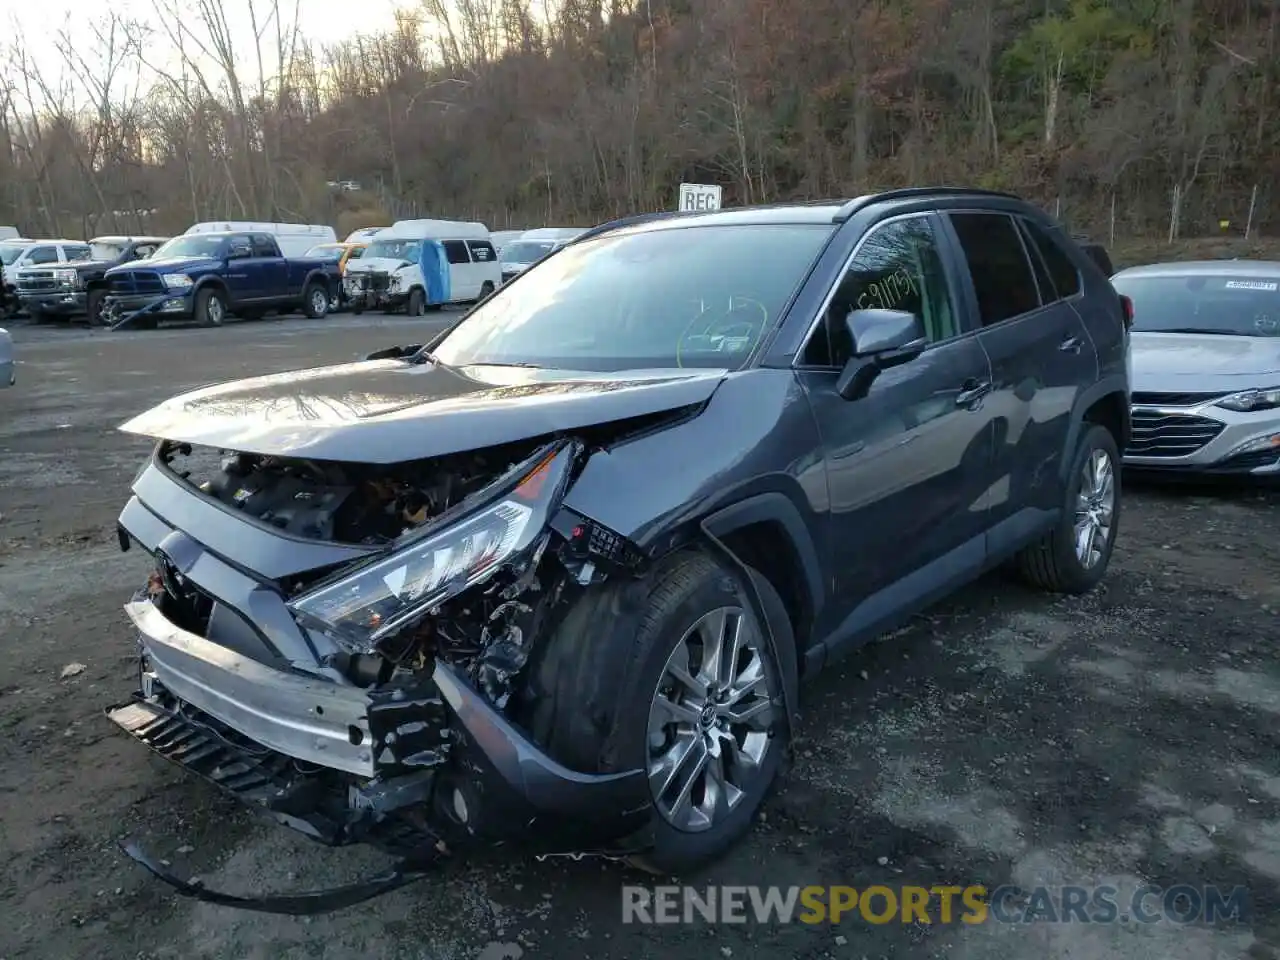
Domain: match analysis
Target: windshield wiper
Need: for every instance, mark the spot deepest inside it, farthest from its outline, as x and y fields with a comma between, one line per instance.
x=1208, y=330
x=510, y=363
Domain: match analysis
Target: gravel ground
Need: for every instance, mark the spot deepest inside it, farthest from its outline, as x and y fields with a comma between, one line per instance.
x=1126, y=737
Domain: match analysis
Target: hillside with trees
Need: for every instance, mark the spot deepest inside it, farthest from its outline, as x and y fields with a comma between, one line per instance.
x=1137, y=111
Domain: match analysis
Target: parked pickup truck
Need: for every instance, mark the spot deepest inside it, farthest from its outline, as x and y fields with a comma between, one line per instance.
x=78, y=287
x=210, y=276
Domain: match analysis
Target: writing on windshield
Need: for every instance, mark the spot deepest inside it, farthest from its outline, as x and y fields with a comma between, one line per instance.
x=679, y=297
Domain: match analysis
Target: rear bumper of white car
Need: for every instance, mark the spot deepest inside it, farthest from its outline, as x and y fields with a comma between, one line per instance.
x=1204, y=439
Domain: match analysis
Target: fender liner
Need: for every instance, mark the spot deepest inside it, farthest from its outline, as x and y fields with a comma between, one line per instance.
x=1113, y=384
x=316, y=275
x=784, y=655
x=211, y=280
x=773, y=507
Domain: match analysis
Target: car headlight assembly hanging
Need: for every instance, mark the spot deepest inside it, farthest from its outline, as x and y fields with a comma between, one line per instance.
x=360, y=607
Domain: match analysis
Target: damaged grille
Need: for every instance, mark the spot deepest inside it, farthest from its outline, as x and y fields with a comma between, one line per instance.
x=303, y=796
x=375, y=282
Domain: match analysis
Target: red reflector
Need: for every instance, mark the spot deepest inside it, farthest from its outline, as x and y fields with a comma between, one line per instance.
x=1128, y=310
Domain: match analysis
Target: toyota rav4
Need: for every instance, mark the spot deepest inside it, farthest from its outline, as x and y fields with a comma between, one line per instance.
x=552, y=577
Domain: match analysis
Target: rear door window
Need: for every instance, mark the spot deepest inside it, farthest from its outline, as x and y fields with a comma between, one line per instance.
x=481, y=251
x=77, y=251
x=1003, y=280
x=263, y=245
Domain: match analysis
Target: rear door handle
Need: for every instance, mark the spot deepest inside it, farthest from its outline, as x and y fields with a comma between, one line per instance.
x=1070, y=345
x=972, y=393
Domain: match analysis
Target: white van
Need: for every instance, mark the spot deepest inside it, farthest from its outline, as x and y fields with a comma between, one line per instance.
x=10, y=233
x=423, y=263
x=531, y=246
x=294, y=239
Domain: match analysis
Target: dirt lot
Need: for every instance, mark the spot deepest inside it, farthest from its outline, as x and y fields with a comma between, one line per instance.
x=1125, y=737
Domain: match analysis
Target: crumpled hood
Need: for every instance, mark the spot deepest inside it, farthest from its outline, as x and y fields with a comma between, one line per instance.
x=390, y=411
x=1203, y=363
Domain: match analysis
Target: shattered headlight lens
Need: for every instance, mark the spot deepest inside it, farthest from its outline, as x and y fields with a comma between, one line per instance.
x=378, y=599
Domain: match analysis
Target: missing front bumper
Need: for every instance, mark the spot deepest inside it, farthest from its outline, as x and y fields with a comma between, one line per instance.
x=342, y=765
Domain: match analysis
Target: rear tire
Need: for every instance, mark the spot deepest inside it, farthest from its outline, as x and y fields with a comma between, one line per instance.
x=211, y=307
x=486, y=291
x=1073, y=557
x=605, y=696
x=417, y=303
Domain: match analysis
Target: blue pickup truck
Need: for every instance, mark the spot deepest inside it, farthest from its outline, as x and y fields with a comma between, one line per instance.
x=210, y=276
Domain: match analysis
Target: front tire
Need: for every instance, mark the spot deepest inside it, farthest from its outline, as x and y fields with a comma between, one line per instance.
x=677, y=679
x=211, y=307
x=417, y=303
x=315, y=301
x=94, y=302
x=1073, y=557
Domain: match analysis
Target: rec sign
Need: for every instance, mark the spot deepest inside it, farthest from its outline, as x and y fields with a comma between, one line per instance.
x=699, y=196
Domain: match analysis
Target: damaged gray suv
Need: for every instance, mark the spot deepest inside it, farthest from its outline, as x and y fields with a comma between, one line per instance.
x=551, y=579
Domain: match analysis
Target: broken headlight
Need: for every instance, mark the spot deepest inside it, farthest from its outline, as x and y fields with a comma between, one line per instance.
x=367, y=604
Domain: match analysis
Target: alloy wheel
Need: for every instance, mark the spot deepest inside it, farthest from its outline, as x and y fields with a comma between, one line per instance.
x=1095, y=508
x=710, y=720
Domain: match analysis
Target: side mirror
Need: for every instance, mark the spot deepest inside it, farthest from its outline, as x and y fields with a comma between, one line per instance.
x=881, y=339
x=394, y=353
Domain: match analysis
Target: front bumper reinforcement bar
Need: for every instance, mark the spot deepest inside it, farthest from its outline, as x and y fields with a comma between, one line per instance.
x=306, y=903
x=152, y=307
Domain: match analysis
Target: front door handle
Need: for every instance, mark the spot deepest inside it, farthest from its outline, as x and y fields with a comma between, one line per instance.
x=1070, y=345
x=973, y=392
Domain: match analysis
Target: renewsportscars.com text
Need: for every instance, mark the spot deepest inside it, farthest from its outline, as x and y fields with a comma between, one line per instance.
x=971, y=904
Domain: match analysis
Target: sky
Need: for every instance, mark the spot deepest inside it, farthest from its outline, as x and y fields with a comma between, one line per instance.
x=34, y=25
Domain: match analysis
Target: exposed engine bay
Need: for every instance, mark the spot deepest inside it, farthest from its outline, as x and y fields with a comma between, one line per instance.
x=342, y=502
x=486, y=631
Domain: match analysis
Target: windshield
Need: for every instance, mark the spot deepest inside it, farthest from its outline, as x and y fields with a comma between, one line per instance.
x=10, y=252
x=325, y=251
x=1234, y=306
x=193, y=245
x=106, y=250
x=527, y=251
x=410, y=250
x=684, y=297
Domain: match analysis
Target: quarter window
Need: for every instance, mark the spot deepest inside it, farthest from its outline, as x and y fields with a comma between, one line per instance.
x=1002, y=278
x=897, y=267
x=1066, y=276
x=456, y=251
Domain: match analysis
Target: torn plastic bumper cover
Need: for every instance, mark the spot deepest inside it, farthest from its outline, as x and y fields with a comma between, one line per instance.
x=414, y=773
